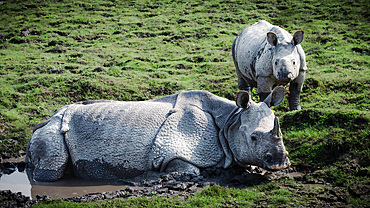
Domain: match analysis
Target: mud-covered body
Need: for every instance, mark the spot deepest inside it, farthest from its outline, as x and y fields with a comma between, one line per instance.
x=181, y=132
x=266, y=56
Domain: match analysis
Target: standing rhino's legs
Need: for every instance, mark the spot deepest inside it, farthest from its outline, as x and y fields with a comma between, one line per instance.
x=295, y=89
x=47, y=154
x=294, y=97
x=264, y=85
x=243, y=85
x=178, y=165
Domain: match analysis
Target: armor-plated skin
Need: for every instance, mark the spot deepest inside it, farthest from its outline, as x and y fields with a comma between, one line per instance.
x=182, y=132
x=266, y=56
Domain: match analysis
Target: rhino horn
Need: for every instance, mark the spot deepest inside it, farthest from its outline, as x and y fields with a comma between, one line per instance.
x=276, y=130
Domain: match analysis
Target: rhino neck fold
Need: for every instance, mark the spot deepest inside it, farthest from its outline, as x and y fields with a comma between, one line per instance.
x=232, y=118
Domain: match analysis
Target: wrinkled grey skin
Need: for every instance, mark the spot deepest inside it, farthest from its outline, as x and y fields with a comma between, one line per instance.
x=181, y=132
x=266, y=56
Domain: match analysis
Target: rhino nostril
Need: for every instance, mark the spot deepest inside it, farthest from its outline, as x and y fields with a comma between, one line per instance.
x=268, y=157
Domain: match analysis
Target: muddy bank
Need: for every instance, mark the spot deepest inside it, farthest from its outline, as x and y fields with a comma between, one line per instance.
x=151, y=183
x=297, y=179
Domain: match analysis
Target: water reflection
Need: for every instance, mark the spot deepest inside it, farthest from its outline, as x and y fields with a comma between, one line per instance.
x=71, y=186
x=17, y=181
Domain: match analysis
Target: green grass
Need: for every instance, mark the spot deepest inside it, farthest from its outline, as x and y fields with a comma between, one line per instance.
x=286, y=193
x=139, y=50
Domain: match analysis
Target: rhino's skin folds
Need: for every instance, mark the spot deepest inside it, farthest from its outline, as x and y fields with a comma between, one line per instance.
x=181, y=132
x=265, y=56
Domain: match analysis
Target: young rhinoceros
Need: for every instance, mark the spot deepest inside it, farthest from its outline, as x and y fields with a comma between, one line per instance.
x=182, y=132
x=265, y=56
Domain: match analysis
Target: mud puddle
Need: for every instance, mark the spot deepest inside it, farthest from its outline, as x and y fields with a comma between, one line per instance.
x=16, y=180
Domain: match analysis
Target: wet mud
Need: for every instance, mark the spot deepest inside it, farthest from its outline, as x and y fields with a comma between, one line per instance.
x=171, y=185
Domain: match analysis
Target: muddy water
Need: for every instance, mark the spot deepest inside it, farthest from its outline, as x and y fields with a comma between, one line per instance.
x=64, y=188
x=70, y=186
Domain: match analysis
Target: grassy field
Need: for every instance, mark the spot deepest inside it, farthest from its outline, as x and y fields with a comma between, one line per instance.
x=53, y=53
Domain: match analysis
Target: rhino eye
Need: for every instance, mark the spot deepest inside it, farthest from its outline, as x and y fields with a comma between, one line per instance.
x=275, y=62
x=293, y=62
x=253, y=137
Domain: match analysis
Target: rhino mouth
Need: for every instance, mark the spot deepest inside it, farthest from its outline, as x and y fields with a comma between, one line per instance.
x=284, y=77
x=284, y=81
x=275, y=165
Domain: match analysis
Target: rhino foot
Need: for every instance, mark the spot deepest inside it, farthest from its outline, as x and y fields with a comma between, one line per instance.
x=294, y=104
x=178, y=165
x=295, y=108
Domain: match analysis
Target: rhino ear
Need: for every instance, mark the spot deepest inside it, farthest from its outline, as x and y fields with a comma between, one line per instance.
x=275, y=97
x=242, y=99
x=298, y=37
x=272, y=38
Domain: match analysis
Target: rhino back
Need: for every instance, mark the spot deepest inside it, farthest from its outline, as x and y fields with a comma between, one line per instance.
x=112, y=140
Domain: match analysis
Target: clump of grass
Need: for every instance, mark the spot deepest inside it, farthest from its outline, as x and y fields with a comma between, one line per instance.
x=321, y=137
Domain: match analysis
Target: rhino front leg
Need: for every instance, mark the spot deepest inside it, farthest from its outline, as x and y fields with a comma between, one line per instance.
x=178, y=165
x=243, y=85
x=295, y=89
x=264, y=85
x=47, y=154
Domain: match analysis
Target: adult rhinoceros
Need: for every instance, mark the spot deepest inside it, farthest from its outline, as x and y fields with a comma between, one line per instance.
x=181, y=132
x=265, y=56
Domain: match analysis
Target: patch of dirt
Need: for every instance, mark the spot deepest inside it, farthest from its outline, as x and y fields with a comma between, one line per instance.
x=17, y=40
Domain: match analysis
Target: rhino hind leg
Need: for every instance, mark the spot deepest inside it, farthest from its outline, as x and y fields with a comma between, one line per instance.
x=178, y=165
x=47, y=154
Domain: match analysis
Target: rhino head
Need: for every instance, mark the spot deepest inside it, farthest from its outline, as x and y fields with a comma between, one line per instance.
x=256, y=139
x=285, y=57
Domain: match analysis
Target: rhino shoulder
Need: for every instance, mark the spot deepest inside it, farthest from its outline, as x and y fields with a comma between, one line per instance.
x=263, y=61
x=188, y=134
